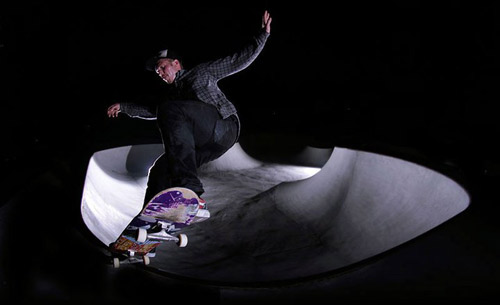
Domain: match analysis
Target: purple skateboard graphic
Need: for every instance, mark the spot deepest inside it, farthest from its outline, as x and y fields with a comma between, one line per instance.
x=168, y=212
x=172, y=206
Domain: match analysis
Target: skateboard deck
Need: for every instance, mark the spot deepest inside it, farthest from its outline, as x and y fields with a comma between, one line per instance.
x=161, y=218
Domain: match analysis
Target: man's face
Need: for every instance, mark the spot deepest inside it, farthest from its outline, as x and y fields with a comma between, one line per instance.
x=166, y=68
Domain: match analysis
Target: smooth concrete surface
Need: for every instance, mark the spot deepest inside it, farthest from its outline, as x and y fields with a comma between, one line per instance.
x=273, y=222
x=116, y=180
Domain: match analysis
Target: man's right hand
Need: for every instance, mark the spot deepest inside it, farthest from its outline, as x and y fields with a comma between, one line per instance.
x=113, y=110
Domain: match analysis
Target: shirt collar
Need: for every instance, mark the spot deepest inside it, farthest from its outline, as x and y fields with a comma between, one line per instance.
x=179, y=75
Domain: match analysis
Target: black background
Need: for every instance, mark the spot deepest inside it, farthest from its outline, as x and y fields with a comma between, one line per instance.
x=418, y=77
x=417, y=72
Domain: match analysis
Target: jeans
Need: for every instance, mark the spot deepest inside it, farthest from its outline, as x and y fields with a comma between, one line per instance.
x=193, y=134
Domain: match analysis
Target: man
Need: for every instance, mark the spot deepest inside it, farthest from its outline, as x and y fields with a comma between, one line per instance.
x=197, y=122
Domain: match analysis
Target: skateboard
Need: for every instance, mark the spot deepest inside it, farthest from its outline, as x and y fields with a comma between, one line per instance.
x=161, y=219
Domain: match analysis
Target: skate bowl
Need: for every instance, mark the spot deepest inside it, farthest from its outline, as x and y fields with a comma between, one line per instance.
x=277, y=222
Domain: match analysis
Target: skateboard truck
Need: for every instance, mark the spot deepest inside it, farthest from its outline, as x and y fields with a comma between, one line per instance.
x=158, y=236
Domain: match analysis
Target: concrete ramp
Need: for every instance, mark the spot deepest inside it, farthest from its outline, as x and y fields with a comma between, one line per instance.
x=273, y=222
x=362, y=204
x=116, y=181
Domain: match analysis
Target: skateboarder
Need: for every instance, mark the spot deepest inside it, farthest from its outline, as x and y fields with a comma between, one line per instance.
x=197, y=122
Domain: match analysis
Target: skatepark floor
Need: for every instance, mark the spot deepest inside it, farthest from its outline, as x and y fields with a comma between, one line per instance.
x=49, y=257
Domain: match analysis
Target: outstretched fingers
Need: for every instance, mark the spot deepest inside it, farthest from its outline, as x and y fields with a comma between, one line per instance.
x=266, y=21
x=113, y=110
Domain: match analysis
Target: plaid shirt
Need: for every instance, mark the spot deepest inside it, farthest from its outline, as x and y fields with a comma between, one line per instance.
x=200, y=82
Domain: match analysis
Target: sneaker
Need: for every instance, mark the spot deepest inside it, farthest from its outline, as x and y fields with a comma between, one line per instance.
x=203, y=204
x=203, y=213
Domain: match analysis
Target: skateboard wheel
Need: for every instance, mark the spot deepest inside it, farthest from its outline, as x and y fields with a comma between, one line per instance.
x=183, y=240
x=142, y=235
x=116, y=262
x=146, y=260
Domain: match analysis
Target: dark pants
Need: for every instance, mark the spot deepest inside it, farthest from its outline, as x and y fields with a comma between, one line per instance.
x=193, y=134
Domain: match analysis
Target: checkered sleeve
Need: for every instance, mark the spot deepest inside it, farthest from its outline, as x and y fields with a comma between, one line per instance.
x=238, y=61
x=138, y=111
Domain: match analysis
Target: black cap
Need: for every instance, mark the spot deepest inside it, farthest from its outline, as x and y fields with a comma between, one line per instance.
x=167, y=53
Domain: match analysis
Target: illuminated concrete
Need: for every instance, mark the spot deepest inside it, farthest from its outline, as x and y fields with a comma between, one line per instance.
x=274, y=222
x=116, y=182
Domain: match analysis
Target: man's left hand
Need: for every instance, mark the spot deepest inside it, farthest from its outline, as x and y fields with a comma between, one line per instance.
x=266, y=21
